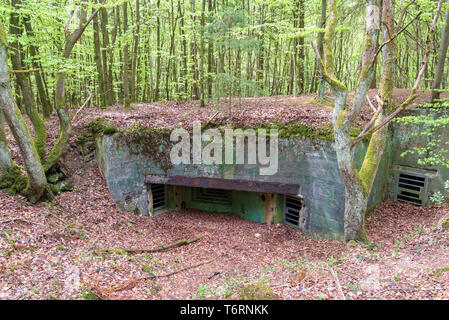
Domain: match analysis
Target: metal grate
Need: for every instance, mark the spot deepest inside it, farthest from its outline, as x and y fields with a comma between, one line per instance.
x=293, y=211
x=212, y=196
x=158, y=191
x=411, y=188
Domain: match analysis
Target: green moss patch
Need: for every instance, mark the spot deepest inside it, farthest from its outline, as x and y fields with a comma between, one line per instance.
x=101, y=126
x=14, y=182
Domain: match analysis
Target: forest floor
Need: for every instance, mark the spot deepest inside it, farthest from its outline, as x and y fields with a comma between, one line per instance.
x=82, y=246
x=246, y=112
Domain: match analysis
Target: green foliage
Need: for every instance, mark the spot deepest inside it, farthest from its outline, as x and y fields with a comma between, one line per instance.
x=148, y=269
x=101, y=126
x=203, y=292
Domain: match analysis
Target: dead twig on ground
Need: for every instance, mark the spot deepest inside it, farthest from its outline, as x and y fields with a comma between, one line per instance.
x=12, y=219
x=132, y=283
x=82, y=107
x=180, y=243
x=337, y=282
x=209, y=120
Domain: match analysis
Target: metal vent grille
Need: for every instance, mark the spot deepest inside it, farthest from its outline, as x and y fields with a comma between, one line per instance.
x=293, y=211
x=411, y=188
x=212, y=196
x=158, y=191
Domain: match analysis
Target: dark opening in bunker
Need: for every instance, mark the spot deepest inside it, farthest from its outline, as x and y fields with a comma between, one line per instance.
x=260, y=201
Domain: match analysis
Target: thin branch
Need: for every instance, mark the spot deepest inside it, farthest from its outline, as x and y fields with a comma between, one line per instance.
x=337, y=282
x=25, y=71
x=131, y=284
x=394, y=36
x=413, y=95
x=180, y=243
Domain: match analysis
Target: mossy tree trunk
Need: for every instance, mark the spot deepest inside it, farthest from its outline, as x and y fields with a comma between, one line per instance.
x=126, y=98
x=6, y=163
x=37, y=181
x=358, y=183
x=39, y=77
x=64, y=119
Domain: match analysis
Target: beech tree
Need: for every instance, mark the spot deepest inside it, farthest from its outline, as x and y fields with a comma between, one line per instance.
x=358, y=183
x=37, y=180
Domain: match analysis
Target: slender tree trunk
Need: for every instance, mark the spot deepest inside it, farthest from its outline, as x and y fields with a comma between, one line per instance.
x=202, y=52
x=64, y=118
x=441, y=60
x=97, y=57
x=195, y=89
x=6, y=163
x=135, y=54
x=126, y=99
x=320, y=48
x=24, y=84
x=43, y=94
x=104, y=53
x=158, y=53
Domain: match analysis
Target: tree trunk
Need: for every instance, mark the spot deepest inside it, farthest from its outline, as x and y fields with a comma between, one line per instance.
x=320, y=48
x=6, y=163
x=107, y=76
x=97, y=57
x=135, y=54
x=37, y=181
x=64, y=119
x=43, y=94
x=357, y=184
x=441, y=60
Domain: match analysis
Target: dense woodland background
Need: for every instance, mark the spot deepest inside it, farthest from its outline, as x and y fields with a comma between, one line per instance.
x=153, y=50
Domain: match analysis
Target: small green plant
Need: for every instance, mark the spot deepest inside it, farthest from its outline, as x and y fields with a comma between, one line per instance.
x=437, y=198
x=87, y=294
x=148, y=269
x=354, y=287
x=256, y=291
x=61, y=248
x=370, y=256
x=155, y=289
x=396, y=254
x=439, y=271
x=203, y=292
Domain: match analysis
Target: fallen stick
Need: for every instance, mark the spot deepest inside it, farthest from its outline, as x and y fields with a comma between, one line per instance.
x=180, y=243
x=337, y=282
x=210, y=119
x=131, y=284
x=20, y=219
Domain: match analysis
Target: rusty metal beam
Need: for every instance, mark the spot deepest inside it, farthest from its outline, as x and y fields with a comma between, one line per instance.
x=226, y=184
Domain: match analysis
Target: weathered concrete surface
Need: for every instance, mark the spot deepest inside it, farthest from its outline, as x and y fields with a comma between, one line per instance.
x=310, y=163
